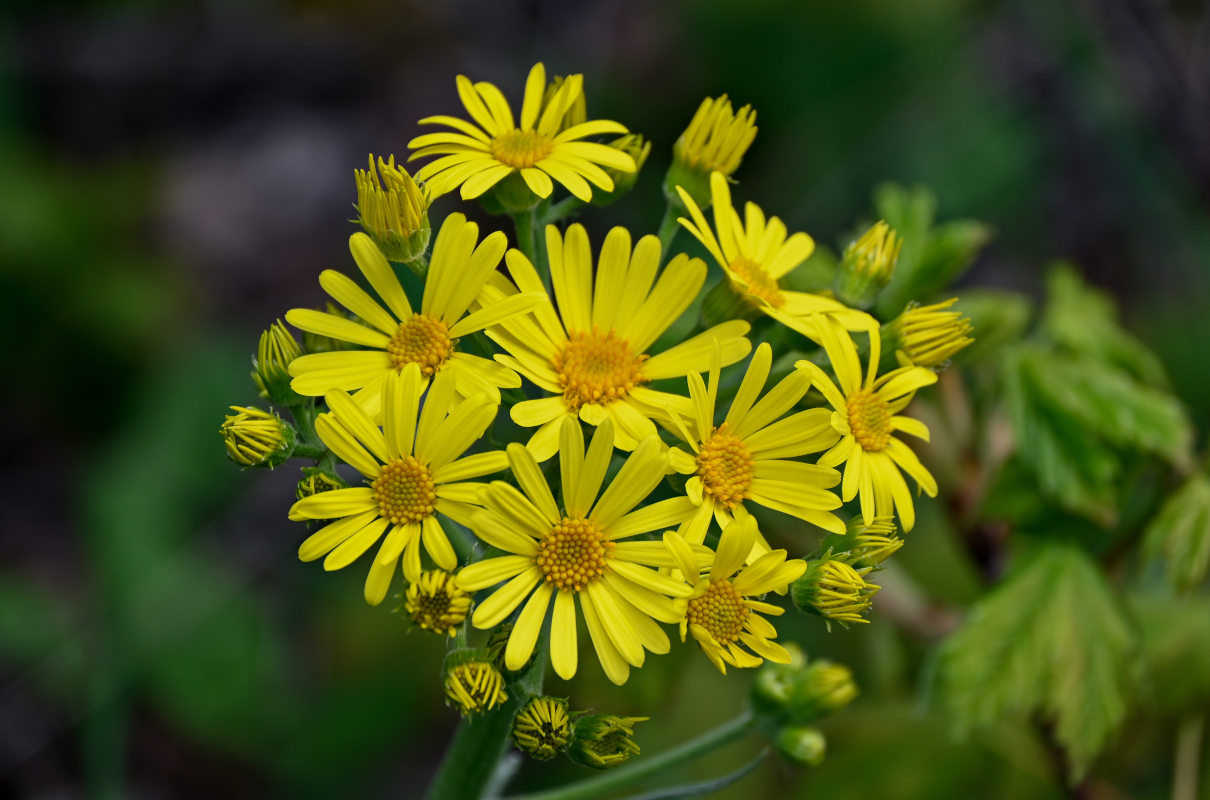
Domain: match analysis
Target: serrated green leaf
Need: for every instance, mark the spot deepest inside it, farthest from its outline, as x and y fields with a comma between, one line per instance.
x=1084, y=321
x=1174, y=634
x=1050, y=640
x=1180, y=533
x=999, y=318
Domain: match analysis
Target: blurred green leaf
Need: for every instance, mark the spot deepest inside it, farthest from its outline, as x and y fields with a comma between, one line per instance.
x=1051, y=640
x=999, y=318
x=1175, y=640
x=1180, y=533
x=815, y=274
x=41, y=637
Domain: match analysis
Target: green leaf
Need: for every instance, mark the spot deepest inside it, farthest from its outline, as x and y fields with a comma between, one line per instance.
x=999, y=318
x=1175, y=640
x=1180, y=533
x=1051, y=640
x=702, y=788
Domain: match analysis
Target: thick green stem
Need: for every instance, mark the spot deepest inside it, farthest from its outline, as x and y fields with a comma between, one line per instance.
x=668, y=228
x=1187, y=760
x=559, y=210
x=645, y=767
x=526, y=236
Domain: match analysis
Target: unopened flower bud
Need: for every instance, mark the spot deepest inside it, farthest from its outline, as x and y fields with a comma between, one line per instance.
x=774, y=682
x=867, y=266
x=542, y=728
x=473, y=685
x=435, y=603
x=928, y=336
x=715, y=140
x=603, y=740
x=638, y=148
x=801, y=745
x=316, y=481
x=820, y=689
x=256, y=438
x=271, y=366
x=393, y=210
x=865, y=544
x=833, y=590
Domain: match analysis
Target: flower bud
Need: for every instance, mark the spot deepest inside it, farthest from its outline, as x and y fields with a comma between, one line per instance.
x=316, y=481
x=256, y=438
x=435, y=603
x=715, y=140
x=638, y=148
x=271, y=366
x=833, y=590
x=542, y=728
x=927, y=336
x=820, y=689
x=473, y=685
x=867, y=266
x=603, y=740
x=393, y=210
x=865, y=545
x=802, y=746
x=575, y=114
x=771, y=690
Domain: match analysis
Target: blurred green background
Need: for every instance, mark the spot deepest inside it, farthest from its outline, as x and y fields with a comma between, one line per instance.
x=175, y=176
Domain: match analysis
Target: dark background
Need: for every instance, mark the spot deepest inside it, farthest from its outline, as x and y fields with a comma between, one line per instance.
x=173, y=176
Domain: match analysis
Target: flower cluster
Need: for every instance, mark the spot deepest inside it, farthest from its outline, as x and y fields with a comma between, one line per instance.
x=549, y=445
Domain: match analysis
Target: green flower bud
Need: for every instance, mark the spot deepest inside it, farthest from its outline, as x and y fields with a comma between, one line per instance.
x=927, y=336
x=820, y=689
x=603, y=740
x=715, y=140
x=271, y=366
x=542, y=728
x=801, y=746
x=832, y=589
x=472, y=683
x=867, y=266
x=316, y=481
x=256, y=438
x=393, y=210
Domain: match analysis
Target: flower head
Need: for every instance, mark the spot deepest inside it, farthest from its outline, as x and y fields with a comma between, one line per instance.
x=867, y=265
x=563, y=553
x=542, y=728
x=747, y=457
x=413, y=473
x=271, y=367
x=715, y=141
x=867, y=419
x=537, y=147
x=256, y=438
x=603, y=740
x=393, y=210
x=756, y=254
x=929, y=336
x=434, y=602
x=427, y=337
x=592, y=355
x=723, y=614
x=472, y=683
x=833, y=590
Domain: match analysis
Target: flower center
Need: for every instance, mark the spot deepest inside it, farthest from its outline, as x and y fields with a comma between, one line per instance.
x=573, y=554
x=725, y=467
x=759, y=283
x=435, y=603
x=521, y=149
x=405, y=491
x=870, y=420
x=597, y=369
x=721, y=611
x=420, y=340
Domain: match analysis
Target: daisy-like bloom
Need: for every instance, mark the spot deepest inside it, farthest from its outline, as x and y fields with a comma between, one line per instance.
x=542, y=727
x=748, y=456
x=435, y=603
x=867, y=419
x=576, y=551
x=401, y=336
x=722, y=614
x=929, y=336
x=477, y=156
x=756, y=254
x=414, y=471
x=592, y=355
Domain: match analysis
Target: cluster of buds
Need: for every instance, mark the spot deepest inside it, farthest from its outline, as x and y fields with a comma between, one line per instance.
x=867, y=265
x=795, y=696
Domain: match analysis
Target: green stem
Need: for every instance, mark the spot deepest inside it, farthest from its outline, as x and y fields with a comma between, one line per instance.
x=305, y=450
x=644, y=767
x=526, y=238
x=561, y=209
x=668, y=228
x=1187, y=761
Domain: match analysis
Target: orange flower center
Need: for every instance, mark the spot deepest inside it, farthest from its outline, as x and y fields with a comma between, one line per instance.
x=405, y=491
x=725, y=466
x=597, y=369
x=520, y=149
x=420, y=340
x=870, y=420
x=758, y=282
x=573, y=554
x=721, y=611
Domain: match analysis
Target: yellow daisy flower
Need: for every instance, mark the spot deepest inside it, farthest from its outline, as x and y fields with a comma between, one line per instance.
x=755, y=254
x=747, y=456
x=576, y=551
x=414, y=473
x=427, y=338
x=592, y=355
x=721, y=613
x=478, y=156
x=867, y=417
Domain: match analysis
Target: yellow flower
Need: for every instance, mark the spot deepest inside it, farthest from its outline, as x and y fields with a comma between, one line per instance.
x=427, y=338
x=929, y=336
x=393, y=210
x=722, y=614
x=592, y=355
x=747, y=457
x=575, y=551
x=480, y=155
x=542, y=728
x=834, y=590
x=756, y=254
x=715, y=141
x=256, y=438
x=474, y=686
x=435, y=603
x=867, y=418
x=414, y=472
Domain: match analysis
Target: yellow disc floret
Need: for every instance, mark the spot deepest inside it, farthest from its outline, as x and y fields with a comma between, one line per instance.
x=721, y=611
x=521, y=149
x=597, y=368
x=573, y=554
x=405, y=491
x=870, y=420
x=725, y=466
x=435, y=603
x=758, y=283
x=420, y=340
